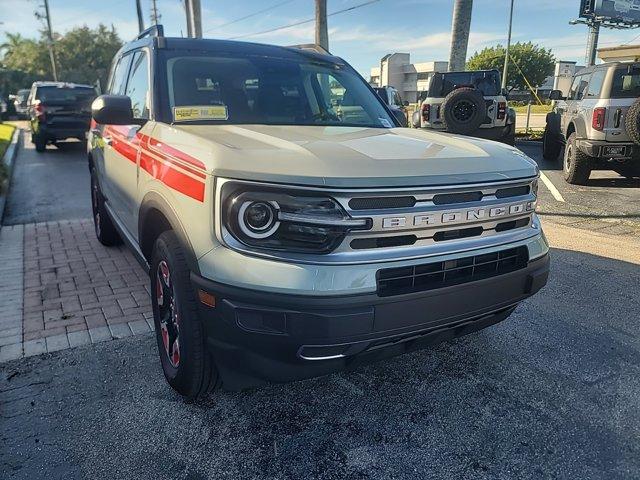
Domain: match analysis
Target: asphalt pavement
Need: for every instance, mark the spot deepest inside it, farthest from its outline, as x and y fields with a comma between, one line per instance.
x=53, y=185
x=552, y=392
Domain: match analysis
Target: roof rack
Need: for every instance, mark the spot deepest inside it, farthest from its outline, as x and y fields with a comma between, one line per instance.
x=156, y=30
x=312, y=47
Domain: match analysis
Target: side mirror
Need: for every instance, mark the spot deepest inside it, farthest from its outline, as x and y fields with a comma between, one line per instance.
x=402, y=118
x=405, y=103
x=112, y=110
x=556, y=95
x=415, y=119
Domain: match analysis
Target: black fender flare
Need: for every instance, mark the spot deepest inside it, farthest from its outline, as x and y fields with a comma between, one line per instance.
x=151, y=203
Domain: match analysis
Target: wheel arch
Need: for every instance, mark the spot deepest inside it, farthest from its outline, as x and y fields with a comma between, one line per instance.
x=156, y=216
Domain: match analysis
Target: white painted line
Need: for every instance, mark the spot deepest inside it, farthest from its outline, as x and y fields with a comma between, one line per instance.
x=552, y=188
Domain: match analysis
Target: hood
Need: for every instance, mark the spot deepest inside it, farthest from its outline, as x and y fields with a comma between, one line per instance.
x=352, y=156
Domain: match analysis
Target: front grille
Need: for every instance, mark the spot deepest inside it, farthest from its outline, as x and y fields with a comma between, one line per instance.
x=374, y=203
x=430, y=276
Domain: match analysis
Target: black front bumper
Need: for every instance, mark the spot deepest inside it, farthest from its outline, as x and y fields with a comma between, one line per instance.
x=257, y=337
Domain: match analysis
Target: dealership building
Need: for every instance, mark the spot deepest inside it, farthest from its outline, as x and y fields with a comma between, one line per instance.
x=396, y=70
x=408, y=78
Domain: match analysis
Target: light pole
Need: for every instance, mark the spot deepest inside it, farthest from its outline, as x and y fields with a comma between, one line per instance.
x=460, y=24
x=506, y=52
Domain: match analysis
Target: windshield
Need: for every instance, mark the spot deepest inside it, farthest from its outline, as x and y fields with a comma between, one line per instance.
x=626, y=83
x=487, y=82
x=65, y=94
x=270, y=91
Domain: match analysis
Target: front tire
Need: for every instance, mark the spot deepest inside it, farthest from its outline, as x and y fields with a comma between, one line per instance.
x=106, y=232
x=186, y=362
x=576, y=165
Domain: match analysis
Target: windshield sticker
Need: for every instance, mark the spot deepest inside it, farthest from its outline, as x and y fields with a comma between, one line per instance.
x=385, y=123
x=200, y=112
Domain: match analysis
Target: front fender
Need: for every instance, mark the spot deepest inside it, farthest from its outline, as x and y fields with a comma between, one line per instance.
x=154, y=201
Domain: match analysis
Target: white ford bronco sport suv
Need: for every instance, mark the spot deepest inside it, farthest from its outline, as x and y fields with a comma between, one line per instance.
x=285, y=240
x=467, y=103
x=597, y=123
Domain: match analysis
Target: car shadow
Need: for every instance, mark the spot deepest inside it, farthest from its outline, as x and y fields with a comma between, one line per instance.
x=621, y=182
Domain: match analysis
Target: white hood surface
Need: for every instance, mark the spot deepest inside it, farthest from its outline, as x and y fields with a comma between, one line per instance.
x=348, y=157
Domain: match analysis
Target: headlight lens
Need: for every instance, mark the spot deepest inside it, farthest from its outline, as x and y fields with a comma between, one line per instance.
x=275, y=220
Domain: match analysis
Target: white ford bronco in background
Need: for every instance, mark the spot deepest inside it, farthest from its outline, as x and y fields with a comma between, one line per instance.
x=597, y=123
x=467, y=103
x=286, y=238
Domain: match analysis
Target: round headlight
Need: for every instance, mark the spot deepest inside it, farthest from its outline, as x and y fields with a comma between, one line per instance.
x=258, y=219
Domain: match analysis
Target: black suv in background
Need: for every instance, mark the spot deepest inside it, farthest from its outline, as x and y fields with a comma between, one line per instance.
x=58, y=111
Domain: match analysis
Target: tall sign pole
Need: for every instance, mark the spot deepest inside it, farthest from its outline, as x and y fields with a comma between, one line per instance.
x=506, y=52
x=322, y=34
x=592, y=43
x=139, y=13
x=194, y=18
x=460, y=25
x=52, y=54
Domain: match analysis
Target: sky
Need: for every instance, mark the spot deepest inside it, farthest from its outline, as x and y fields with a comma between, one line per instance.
x=361, y=36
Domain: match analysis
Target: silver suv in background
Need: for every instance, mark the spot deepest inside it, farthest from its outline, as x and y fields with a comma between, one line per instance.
x=468, y=103
x=597, y=123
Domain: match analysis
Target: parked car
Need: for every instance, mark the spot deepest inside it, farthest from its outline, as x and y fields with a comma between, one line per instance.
x=392, y=99
x=3, y=108
x=59, y=111
x=597, y=123
x=468, y=103
x=20, y=102
x=284, y=241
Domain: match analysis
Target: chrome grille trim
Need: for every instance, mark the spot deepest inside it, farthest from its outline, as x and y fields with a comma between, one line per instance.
x=425, y=245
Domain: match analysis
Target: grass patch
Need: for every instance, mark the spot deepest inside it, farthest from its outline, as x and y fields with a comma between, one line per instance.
x=534, y=108
x=532, y=135
x=6, y=132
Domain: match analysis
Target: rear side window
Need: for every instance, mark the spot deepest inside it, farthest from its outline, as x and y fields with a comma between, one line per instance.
x=119, y=78
x=138, y=86
x=595, y=84
x=578, y=87
x=626, y=83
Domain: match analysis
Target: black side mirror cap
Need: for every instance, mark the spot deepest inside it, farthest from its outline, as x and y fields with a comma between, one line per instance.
x=556, y=95
x=112, y=110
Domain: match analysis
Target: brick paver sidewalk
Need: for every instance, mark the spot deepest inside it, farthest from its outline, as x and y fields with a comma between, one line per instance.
x=59, y=288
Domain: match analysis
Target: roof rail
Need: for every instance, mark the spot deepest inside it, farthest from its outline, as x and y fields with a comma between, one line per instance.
x=156, y=30
x=312, y=47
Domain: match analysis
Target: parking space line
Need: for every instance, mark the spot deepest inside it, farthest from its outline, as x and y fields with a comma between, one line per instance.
x=552, y=188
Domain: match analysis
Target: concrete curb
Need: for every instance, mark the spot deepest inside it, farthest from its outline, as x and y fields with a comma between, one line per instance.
x=8, y=160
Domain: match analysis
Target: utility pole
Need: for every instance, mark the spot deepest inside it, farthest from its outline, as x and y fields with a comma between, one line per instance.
x=592, y=43
x=506, y=52
x=140, y=20
x=322, y=34
x=194, y=18
x=52, y=55
x=155, y=16
x=460, y=25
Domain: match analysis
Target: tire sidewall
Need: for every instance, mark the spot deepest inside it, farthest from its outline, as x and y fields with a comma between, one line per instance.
x=569, y=159
x=191, y=331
